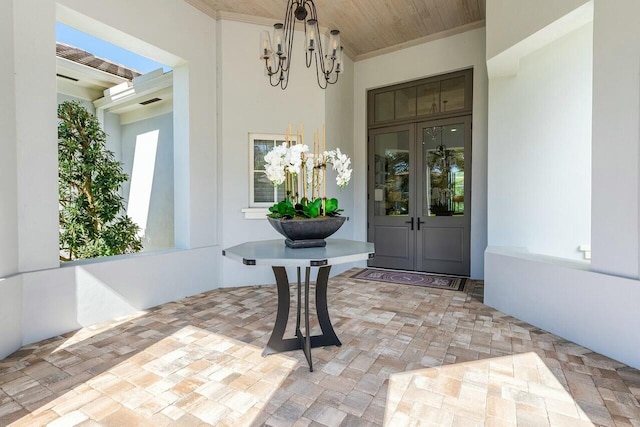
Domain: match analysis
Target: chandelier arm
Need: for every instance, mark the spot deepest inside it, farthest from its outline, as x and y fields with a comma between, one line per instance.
x=335, y=81
x=269, y=71
x=266, y=66
x=308, y=57
x=324, y=76
x=328, y=72
x=289, y=29
x=271, y=80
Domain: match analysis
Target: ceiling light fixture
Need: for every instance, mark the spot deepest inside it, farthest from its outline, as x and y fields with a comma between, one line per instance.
x=277, y=56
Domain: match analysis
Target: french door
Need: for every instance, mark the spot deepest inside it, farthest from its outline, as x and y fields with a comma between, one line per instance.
x=419, y=193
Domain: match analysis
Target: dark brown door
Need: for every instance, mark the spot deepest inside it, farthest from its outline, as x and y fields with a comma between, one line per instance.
x=419, y=195
x=443, y=218
x=391, y=194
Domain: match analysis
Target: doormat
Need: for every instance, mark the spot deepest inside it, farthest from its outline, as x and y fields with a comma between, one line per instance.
x=427, y=280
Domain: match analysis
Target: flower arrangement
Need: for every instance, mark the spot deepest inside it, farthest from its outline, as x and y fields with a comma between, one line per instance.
x=303, y=174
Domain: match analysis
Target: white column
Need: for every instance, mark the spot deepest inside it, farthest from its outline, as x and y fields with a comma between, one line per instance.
x=181, y=175
x=615, y=213
x=8, y=190
x=36, y=134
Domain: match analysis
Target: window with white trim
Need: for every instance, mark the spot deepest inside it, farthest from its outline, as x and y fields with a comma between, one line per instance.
x=262, y=192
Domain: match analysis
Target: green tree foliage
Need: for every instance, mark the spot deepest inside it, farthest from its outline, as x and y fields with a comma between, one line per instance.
x=89, y=178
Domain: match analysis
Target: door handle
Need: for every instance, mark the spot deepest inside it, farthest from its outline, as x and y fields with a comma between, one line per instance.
x=419, y=222
x=410, y=222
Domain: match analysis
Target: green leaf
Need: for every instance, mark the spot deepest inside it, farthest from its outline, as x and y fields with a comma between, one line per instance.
x=331, y=205
x=314, y=208
x=313, y=211
x=282, y=209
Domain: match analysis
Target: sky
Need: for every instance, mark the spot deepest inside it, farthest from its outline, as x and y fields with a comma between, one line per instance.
x=105, y=50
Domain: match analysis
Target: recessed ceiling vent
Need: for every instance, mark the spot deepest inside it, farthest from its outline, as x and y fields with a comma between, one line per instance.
x=67, y=77
x=150, y=101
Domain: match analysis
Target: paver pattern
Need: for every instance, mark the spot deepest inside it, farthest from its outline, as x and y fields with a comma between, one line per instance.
x=410, y=356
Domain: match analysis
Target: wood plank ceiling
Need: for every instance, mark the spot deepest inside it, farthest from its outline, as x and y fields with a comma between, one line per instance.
x=367, y=26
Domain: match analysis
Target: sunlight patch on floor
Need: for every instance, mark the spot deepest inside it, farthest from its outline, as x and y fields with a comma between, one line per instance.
x=192, y=371
x=511, y=390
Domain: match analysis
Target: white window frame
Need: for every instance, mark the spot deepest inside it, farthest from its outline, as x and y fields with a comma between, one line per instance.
x=254, y=206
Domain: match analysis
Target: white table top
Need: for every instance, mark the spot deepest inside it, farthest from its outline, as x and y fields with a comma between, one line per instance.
x=275, y=253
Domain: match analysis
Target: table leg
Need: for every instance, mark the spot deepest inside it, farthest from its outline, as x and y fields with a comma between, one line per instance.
x=276, y=342
x=328, y=336
x=307, y=332
x=298, y=334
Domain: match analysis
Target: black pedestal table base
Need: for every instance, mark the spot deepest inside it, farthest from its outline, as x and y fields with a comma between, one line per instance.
x=305, y=342
x=274, y=254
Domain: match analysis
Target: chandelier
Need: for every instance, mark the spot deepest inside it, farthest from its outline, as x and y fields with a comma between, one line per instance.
x=276, y=52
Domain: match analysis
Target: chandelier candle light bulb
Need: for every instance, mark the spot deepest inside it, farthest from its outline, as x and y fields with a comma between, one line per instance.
x=311, y=38
x=334, y=42
x=265, y=45
x=278, y=38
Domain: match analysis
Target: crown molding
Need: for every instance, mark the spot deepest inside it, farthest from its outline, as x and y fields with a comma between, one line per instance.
x=202, y=7
x=421, y=40
x=258, y=20
x=219, y=15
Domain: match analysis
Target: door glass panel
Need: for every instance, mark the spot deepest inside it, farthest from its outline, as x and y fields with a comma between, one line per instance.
x=383, y=106
x=405, y=102
x=429, y=98
x=391, y=181
x=443, y=155
x=452, y=94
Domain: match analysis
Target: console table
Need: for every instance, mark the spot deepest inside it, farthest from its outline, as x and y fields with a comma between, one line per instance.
x=275, y=254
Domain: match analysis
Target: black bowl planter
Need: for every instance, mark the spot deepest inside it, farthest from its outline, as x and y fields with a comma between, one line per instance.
x=307, y=233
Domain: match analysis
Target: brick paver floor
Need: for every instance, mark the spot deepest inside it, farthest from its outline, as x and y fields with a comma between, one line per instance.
x=410, y=356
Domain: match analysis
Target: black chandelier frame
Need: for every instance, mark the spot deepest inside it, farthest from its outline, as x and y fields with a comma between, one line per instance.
x=328, y=67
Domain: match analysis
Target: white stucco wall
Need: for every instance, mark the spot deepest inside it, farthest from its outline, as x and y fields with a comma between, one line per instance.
x=8, y=164
x=10, y=314
x=615, y=232
x=247, y=103
x=339, y=120
x=84, y=293
x=49, y=295
x=569, y=297
x=36, y=129
x=565, y=298
x=540, y=150
x=437, y=57
x=510, y=22
x=159, y=226
x=113, y=129
x=10, y=287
